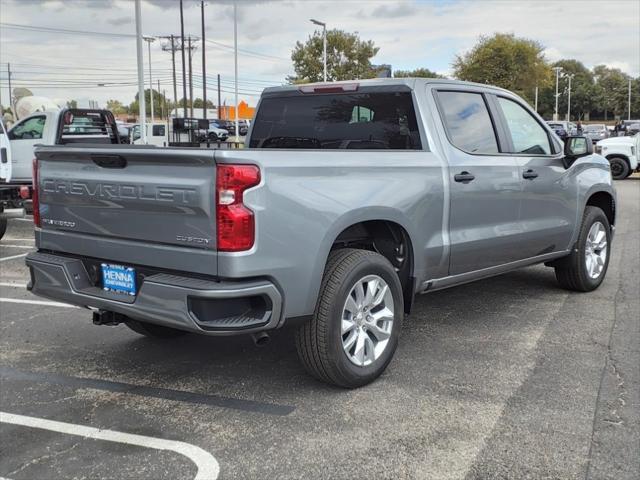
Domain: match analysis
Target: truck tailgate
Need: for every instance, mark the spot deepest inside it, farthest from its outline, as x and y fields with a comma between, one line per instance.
x=136, y=205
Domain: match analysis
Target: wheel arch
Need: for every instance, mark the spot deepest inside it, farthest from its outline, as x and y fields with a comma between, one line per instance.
x=381, y=230
x=604, y=200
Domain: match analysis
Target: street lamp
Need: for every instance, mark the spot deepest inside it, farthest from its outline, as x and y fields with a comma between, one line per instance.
x=629, y=112
x=149, y=41
x=569, y=76
x=557, y=70
x=324, y=44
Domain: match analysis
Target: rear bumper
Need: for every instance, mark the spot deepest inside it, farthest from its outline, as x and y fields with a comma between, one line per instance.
x=187, y=303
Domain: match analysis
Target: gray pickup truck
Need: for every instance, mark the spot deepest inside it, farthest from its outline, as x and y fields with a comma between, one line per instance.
x=351, y=198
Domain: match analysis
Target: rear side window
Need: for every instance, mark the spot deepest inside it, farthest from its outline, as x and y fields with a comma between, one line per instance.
x=527, y=135
x=468, y=122
x=158, y=130
x=356, y=121
x=30, y=129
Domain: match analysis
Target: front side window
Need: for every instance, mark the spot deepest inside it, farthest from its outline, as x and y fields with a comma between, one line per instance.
x=30, y=129
x=356, y=121
x=528, y=136
x=468, y=122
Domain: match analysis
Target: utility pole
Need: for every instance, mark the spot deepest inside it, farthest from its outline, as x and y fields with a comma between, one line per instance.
x=569, y=99
x=557, y=70
x=172, y=47
x=141, y=104
x=629, y=113
x=184, y=72
x=161, y=102
x=149, y=41
x=536, y=100
x=219, y=101
x=190, y=81
x=235, y=62
x=204, y=65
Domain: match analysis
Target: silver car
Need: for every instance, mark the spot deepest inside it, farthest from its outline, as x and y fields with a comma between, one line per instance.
x=596, y=132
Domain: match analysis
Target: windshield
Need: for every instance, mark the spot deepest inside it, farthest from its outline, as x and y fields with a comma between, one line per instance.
x=593, y=128
x=358, y=121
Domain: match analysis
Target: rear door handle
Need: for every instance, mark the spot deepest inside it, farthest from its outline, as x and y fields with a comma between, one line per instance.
x=530, y=174
x=463, y=177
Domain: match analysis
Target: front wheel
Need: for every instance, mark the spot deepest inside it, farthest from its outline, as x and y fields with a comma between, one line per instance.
x=585, y=269
x=619, y=168
x=354, y=331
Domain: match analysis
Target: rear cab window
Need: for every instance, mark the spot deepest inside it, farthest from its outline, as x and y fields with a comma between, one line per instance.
x=367, y=119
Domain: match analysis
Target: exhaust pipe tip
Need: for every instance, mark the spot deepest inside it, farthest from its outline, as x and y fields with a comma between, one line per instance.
x=260, y=339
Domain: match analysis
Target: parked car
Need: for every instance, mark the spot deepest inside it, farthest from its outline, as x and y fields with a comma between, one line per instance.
x=632, y=129
x=216, y=132
x=352, y=198
x=157, y=134
x=622, y=153
x=230, y=126
x=595, y=131
x=58, y=127
x=558, y=129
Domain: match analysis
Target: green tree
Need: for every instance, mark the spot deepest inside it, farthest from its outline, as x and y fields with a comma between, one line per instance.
x=116, y=107
x=348, y=57
x=516, y=64
x=198, y=103
x=417, y=73
x=611, y=92
x=72, y=104
x=158, y=103
x=583, y=90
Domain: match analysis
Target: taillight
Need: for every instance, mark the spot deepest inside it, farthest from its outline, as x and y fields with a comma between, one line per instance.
x=34, y=196
x=235, y=222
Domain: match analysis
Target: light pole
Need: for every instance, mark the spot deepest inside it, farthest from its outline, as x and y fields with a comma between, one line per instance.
x=629, y=113
x=557, y=70
x=324, y=45
x=149, y=41
x=235, y=66
x=142, y=109
x=569, y=76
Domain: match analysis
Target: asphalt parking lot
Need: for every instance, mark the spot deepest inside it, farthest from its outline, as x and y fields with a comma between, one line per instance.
x=509, y=377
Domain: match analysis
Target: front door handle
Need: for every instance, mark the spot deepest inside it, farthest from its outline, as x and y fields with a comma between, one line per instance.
x=530, y=174
x=463, y=177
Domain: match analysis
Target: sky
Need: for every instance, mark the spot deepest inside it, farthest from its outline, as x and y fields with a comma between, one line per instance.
x=410, y=34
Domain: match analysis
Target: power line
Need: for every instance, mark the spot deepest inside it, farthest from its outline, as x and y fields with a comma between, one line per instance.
x=35, y=28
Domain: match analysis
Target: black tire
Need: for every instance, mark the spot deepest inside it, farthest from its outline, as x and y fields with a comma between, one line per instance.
x=571, y=272
x=3, y=227
x=319, y=341
x=619, y=168
x=153, y=331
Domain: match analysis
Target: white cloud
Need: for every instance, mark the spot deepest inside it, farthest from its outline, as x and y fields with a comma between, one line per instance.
x=410, y=34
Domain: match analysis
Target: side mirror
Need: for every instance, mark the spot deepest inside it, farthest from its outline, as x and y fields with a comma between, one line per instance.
x=576, y=147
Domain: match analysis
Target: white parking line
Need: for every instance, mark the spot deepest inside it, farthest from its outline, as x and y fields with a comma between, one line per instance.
x=4, y=259
x=17, y=246
x=14, y=285
x=208, y=467
x=9, y=239
x=36, y=302
x=24, y=219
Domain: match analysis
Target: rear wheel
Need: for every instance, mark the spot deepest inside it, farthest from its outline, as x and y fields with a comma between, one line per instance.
x=152, y=330
x=354, y=332
x=585, y=269
x=619, y=168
